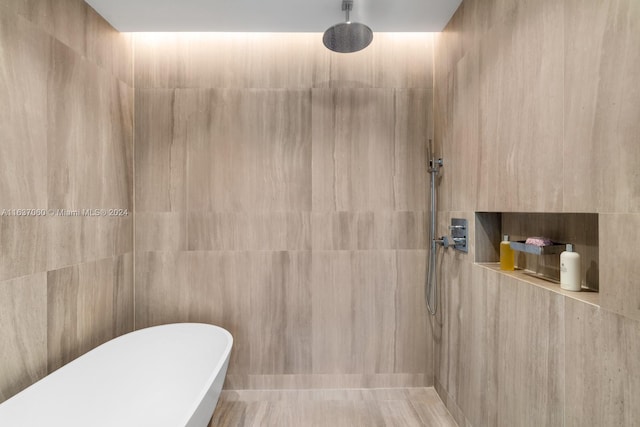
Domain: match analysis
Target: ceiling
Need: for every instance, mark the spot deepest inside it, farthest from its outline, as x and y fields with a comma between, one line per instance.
x=273, y=15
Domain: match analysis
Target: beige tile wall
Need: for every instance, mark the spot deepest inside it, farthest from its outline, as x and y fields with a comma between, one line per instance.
x=536, y=110
x=280, y=193
x=66, y=283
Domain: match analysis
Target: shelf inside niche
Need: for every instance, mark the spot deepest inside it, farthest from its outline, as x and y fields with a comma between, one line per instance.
x=586, y=295
x=580, y=229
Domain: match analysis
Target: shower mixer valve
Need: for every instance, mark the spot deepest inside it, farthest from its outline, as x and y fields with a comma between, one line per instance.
x=443, y=241
x=459, y=234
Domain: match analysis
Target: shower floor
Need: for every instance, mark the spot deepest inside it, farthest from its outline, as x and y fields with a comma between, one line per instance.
x=402, y=407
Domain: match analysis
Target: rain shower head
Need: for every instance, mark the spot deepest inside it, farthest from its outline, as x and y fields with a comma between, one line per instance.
x=347, y=37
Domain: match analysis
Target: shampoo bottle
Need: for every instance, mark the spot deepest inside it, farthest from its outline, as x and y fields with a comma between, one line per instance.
x=507, y=257
x=570, y=270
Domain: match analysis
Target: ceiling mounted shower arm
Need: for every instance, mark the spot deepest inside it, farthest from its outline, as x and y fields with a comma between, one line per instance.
x=347, y=7
x=347, y=37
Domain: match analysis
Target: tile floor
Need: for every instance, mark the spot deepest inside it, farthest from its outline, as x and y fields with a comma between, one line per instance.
x=402, y=407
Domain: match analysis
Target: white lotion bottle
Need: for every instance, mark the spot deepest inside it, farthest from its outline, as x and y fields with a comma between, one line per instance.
x=570, y=269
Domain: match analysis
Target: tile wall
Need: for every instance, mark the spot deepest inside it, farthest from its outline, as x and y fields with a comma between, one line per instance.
x=66, y=283
x=536, y=109
x=280, y=193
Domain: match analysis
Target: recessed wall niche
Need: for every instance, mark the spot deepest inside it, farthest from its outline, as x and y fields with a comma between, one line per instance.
x=580, y=229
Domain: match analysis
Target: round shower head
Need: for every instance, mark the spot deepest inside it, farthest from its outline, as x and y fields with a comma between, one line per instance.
x=347, y=37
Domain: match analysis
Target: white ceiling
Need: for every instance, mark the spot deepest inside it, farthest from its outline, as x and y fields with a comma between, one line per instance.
x=273, y=15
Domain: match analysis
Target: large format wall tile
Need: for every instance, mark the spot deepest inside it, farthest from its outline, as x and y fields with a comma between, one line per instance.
x=76, y=239
x=353, y=149
x=521, y=110
x=231, y=60
x=231, y=231
x=393, y=60
x=255, y=182
x=619, y=267
x=23, y=244
x=23, y=333
x=67, y=129
x=161, y=231
x=160, y=157
x=602, y=385
x=77, y=25
x=413, y=325
x=413, y=118
x=353, y=311
x=368, y=230
x=467, y=356
x=89, y=135
x=602, y=105
x=87, y=305
x=281, y=313
x=465, y=157
x=262, y=298
x=477, y=371
x=209, y=287
x=531, y=356
x=248, y=150
x=557, y=116
x=24, y=59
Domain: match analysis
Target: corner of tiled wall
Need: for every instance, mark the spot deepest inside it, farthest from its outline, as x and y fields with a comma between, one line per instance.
x=66, y=282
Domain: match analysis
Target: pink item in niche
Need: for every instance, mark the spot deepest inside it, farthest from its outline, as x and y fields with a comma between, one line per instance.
x=539, y=241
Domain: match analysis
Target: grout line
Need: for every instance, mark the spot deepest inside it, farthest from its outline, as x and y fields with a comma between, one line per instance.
x=133, y=171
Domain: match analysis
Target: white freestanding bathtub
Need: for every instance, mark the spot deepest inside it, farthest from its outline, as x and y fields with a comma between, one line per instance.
x=169, y=375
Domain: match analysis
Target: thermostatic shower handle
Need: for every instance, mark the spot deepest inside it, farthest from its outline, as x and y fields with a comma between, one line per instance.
x=443, y=241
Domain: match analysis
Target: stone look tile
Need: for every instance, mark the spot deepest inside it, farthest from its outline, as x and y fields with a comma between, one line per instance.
x=465, y=173
x=208, y=287
x=108, y=48
x=231, y=231
x=89, y=135
x=469, y=340
x=397, y=407
x=161, y=231
x=24, y=59
x=530, y=369
x=323, y=381
x=23, y=246
x=23, y=316
x=75, y=239
x=413, y=339
x=160, y=157
x=602, y=387
x=87, y=305
x=602, y=104
x=391, y=61
x=281, y=308
x=235, y=149
x=619, y=268
x=67, y=126
x=522, y=134
x=353, y=150
x=539, y=62
x=368, y=230
x=241, y=61
x=179, y=287
x=248, y=150
x=413, y=129
x=353, y=311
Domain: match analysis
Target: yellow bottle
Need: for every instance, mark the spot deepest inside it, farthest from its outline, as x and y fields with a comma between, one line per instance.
x=507, y=257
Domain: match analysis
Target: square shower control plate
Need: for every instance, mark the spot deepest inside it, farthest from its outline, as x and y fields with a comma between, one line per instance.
x=460, y=234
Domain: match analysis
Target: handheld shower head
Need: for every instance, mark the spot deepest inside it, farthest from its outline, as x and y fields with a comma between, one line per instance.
x=347, y=37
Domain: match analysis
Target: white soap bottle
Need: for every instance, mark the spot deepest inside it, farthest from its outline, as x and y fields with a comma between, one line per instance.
x=570, y=269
